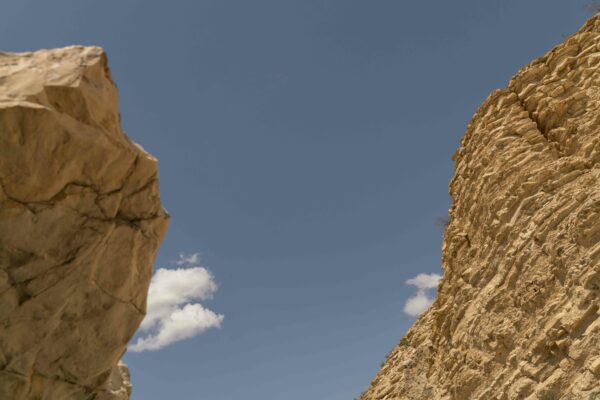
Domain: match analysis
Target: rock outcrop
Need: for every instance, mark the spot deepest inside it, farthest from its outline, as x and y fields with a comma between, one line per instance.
x=517, y=311
x=80, y=224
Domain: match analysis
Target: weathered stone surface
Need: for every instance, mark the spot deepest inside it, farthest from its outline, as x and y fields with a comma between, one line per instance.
x=517, y=309
x=80, y=224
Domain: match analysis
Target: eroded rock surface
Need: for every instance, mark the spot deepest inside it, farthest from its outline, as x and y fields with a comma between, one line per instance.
x=517, y=310
x=80, y=224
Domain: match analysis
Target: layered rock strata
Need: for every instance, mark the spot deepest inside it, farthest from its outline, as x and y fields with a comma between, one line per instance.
x=80, y=223
x=517, y=311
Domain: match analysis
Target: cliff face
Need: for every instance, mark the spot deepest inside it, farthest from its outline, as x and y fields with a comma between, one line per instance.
x=517, y=312
x=80, y=224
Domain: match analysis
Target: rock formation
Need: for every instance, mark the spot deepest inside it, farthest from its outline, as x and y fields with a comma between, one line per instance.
x=517, y=312
x=80, y=224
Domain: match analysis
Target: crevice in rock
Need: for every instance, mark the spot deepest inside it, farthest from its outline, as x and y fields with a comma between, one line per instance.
x=112, y=296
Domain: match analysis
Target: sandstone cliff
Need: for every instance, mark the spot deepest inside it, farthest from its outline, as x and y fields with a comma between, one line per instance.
x=517, y=312
x=80, y=224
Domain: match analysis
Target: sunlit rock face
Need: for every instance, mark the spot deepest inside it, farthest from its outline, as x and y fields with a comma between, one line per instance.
x=80, y=223
x=517, y=310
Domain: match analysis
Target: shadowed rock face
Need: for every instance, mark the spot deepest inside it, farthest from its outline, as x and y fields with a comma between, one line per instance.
x=517, y=310
x=80, y=224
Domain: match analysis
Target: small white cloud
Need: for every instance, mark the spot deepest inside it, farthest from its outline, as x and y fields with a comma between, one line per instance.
x=170, y=288
x=420, y=302
x=425, y=281
x=182, y=323
x=188, y=259
x=171, y=316
x=417, y=304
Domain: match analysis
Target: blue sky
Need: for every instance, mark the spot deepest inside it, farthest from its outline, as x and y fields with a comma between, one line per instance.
x=304, y=151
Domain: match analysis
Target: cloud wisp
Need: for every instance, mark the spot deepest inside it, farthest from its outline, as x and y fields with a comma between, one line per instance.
x=421, y=301
x=172, y=314
x=187, y=259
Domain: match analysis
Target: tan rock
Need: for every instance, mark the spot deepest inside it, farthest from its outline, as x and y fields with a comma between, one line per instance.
x=517, y=311
x=80, y=225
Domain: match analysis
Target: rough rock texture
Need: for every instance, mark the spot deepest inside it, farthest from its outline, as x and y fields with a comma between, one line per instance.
x=80, y=224
x=517, y=312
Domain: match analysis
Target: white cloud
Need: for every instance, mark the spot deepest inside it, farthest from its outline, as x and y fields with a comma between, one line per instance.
x=182, y=323
x=171, y=315
x=187, y=259
x=420, y=302
x=425, y=281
